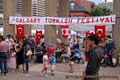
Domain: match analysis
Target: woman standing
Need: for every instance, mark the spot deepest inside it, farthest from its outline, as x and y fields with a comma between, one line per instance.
x=26, y=58
x=20, y=57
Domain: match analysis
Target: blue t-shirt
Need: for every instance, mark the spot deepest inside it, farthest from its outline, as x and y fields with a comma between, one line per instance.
x=77, y=52
x=53, y=60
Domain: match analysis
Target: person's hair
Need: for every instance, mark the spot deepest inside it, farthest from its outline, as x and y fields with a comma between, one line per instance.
x=8, y=35
x=1, y=37
x=18, y=47
x=94, y=38
x=12, y=49
x=25, y=42
x=42, y=44
x=45, y=51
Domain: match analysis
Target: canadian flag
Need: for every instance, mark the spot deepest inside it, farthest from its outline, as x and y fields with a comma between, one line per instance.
x=38, y=37
x=65, y=31
x=20, y=31
x=100, y=31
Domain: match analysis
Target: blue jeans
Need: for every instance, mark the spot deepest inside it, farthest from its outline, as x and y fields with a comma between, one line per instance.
x=27, y=64
x=3, y=63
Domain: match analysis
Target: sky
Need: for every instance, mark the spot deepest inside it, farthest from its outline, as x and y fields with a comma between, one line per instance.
x=97, y=1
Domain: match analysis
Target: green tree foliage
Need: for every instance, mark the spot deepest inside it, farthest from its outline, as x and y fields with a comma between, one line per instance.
x=98, y=11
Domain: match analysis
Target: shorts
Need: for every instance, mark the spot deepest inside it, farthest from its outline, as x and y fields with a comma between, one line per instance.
x=71, y=62
x=52, y=67
x=45, y=65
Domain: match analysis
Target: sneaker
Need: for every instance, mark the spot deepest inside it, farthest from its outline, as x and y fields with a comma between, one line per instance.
x=5, y=74
x=53, y=74
x=46, y=75
x=2, y=74
x=27, y=75
x=41, y=74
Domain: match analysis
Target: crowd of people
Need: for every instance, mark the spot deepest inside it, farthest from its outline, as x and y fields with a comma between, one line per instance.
x=13, y=54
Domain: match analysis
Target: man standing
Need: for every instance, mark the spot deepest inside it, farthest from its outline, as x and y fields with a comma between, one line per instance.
x=4, y=49
x=95, y=58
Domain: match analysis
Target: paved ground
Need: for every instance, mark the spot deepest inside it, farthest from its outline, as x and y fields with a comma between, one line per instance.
x=61, y=73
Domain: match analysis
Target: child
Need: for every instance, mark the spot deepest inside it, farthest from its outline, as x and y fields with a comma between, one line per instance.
x=45, y=62
x=72, y=59
x=12, y=59
x=52, y=62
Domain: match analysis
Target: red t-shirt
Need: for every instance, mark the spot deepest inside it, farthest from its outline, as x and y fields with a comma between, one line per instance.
x=49, y=50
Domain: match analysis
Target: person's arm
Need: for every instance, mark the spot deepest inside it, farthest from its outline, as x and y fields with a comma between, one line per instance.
x=73, y=56
x=93, y=59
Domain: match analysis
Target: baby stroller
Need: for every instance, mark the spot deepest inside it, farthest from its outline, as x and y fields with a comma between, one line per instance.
x=78, y=57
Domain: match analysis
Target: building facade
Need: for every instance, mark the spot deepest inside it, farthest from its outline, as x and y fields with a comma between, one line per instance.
x=18, y=5
x=108, y=5
x=38, y=7
x=77, y=10
x=88, y=5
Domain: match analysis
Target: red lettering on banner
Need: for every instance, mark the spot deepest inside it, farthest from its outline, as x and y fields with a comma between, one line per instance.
x=97, y=20
x=78, y=20
x=35, y=20
x=88, y=20
x=111, y=19
x=102, y=19
x=49, y=20
x=83, y=20
x=57, y=21
x=31, y=20
x=61, y=20
x=23, y=20
x=17, y=19
x=107, y=20
x=46, y=20
x=66, y=20
x=53, y=20
x=92, y=20
x=70, y=20
x=38, y=20
x=20, y=20
x=27, y=20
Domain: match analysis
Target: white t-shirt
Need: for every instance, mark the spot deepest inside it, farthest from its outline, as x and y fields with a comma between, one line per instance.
x=68, y=51
x=45, y=57
x=9, y=41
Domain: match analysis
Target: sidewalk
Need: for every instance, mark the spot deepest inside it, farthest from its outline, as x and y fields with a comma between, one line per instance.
x=61, y=72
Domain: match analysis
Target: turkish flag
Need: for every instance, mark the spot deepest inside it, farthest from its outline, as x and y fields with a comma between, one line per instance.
x=20, y=31
x=65, y=31
x=38, y=37
x=100, y=31
x=88, y=33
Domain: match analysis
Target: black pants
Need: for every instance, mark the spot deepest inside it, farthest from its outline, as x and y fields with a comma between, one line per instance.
x=110, y=59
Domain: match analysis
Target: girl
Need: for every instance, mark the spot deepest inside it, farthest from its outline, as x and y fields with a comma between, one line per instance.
x=45, y=62
x=12, y=59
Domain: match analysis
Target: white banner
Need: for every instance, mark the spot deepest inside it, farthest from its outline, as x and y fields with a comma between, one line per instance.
x=108, y=27
x=63, y=21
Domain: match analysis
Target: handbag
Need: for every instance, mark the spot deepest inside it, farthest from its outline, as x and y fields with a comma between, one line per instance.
x=29, y=53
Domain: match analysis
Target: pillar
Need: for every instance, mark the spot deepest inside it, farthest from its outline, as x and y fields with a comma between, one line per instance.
x=116, y=27
x=27, y=12
x=63, y=11
x=8, y=10
x=50, y=31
